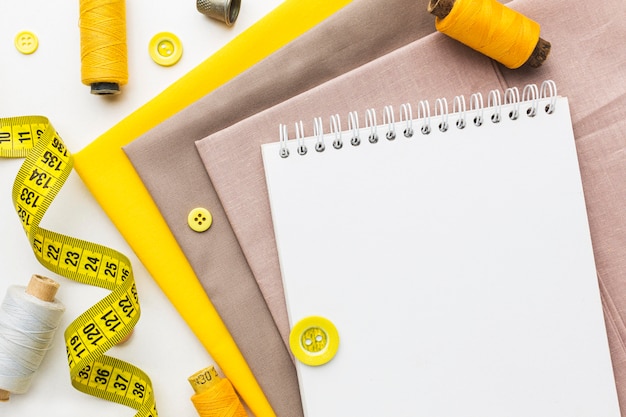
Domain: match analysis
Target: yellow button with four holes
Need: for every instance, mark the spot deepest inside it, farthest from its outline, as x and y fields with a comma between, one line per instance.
x=165, y=49
x=199, y=219
x=26, y=42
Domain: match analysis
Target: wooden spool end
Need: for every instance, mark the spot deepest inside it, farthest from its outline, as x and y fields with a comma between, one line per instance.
x=4, y=395
x=442, y=8
x=204, y=380
x=540, y=54
x=42, y=287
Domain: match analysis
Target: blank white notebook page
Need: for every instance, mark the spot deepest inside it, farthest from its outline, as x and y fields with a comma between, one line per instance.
x=456, y=266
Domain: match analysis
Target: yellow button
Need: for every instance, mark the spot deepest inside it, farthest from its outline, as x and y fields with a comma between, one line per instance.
x=199, y=219
x=314, y=340
x=165, y=49
x=26, y=42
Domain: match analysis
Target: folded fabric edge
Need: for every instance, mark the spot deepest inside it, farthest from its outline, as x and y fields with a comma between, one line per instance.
x=110, y=178
x=168, y=266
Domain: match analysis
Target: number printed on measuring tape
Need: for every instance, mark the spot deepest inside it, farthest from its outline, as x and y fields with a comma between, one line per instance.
x=18, y=135
x=47, y=166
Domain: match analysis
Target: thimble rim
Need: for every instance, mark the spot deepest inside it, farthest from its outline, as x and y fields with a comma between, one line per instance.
x=233, y=11
x=225, y=11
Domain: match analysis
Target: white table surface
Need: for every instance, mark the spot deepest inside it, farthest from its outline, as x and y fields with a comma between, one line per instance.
x=48, y=83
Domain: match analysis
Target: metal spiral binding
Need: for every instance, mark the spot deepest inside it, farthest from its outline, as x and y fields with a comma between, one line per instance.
x=388, y=119
x=353, y=125
x=512, y=98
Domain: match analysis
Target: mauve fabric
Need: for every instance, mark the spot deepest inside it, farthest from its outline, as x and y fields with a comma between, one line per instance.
x=232, y=156
x=587, y=62
x=254, y=309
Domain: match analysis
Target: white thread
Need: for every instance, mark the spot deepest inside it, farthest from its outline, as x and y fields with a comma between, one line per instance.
x=27, y=328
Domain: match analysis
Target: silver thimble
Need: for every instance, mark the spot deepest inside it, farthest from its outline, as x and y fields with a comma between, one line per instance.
x=223, y=10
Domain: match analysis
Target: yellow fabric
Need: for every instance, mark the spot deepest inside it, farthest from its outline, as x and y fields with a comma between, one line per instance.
x=493, y=29
x=110, y=177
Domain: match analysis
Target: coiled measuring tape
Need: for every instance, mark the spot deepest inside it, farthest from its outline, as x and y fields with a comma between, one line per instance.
x=48, y=164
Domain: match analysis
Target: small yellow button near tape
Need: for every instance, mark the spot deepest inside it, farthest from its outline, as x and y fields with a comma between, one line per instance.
x=48, y=164
x=314, y=340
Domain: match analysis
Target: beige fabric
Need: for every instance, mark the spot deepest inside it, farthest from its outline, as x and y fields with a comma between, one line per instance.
x=363, y=30
x=589, y=67
x=233, y=159
x=254, y=312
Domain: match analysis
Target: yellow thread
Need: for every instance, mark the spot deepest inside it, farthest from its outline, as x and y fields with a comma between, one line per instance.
x=492, y=29
x=103, y=41
x=215, y=397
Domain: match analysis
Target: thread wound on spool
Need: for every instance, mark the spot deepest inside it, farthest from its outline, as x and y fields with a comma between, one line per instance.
x=214, y=396
x=491, y=28
x=27, y=328
x=104, y=55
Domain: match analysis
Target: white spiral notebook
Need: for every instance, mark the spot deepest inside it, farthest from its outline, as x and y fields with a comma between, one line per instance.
x=452, y=255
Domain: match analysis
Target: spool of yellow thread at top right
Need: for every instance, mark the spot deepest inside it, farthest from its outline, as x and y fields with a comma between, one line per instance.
x=493, y=29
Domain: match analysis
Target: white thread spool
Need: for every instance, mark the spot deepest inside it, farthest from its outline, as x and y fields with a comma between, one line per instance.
x=29, y=317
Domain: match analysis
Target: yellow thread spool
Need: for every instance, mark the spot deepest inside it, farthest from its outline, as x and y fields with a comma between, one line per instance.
x=214, y=396
x=493, y=29
x=104, y=54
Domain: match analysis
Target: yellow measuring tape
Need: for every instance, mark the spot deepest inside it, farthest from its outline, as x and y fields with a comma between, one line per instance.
x=48, y=164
